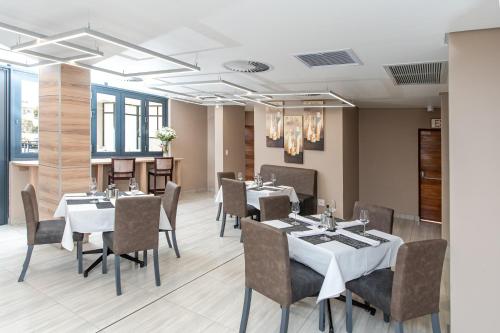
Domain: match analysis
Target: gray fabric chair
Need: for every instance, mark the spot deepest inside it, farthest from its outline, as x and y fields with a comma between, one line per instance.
x=170, y=202
x=270, y=272
x=43, y=232
x=234, y=196
x=411, y=291
x=381, y=218
x=220, y=175
x=274, y=207
x=136, y=229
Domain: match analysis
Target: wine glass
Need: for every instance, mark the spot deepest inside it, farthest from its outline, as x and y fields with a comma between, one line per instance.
x=273, y=179
x=134, y=187
x=93, y=190
x=323, y=225
x=295, y=211
x=240, y=176
x=364, y=218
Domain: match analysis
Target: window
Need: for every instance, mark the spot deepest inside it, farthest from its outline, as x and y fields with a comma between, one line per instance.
x=24, y=114
x=126, y=122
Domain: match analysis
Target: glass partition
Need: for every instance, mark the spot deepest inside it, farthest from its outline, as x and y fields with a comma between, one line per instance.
x=106, y=122
x=133, y=116
x=155, y=122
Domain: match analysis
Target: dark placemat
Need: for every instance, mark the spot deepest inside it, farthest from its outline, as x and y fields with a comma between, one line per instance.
x=313, y=218
x=295, y=228
x=316, y=239
x=349, y=241
x=273, y=189
x=256, y=189
x=355, y=229
x=290, y=220
x=359, y=231
x=104, y=205
x=79, y=201
x=123, y=194
x=97, y=194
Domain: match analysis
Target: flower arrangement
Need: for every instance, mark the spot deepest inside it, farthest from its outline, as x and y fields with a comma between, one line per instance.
x=166, y=135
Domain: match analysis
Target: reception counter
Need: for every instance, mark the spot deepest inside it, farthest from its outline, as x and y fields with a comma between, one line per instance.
x=24, y=172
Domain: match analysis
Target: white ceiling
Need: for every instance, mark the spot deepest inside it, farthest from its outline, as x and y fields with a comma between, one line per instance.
x=212, y=32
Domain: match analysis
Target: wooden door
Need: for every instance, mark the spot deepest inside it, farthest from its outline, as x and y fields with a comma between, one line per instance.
x=430, y=175
x=249, y=152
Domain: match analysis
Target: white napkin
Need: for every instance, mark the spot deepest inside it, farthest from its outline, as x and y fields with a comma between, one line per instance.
x=358, y=237
x=73, y=195
x=348, y=224
x=267, y=183
x=304, y=219
x=277, y=224
x=312, y=232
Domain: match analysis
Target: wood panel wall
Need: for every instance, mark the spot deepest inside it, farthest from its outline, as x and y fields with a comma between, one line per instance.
x=64, y=153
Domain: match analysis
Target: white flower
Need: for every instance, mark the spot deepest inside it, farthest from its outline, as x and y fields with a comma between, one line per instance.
x=166, y=134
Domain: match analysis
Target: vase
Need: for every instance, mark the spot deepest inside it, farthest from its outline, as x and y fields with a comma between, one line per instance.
x=166, y=153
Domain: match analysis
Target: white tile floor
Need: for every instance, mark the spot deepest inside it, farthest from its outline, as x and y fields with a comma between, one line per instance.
x=200, y=292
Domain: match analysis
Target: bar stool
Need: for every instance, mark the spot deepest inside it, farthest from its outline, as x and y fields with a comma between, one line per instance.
x=163, y=167
x=121, y=169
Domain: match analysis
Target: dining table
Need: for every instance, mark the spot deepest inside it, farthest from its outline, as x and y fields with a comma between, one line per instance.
x=255, y=192
x=87, y=213
x=340, y=255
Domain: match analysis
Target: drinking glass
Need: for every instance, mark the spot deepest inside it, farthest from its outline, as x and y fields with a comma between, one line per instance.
x=295, y=211
x=364, y=218
x=273, y=179
x=240, y=176
x=134, y=187
x=93, y=190
x=131, y=182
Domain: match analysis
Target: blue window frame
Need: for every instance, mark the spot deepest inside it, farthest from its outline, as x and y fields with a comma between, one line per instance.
x=129, y=114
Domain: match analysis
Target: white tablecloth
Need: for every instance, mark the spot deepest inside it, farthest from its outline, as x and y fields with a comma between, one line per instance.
x=253, y=196
x=340, y=263
x=87, y=218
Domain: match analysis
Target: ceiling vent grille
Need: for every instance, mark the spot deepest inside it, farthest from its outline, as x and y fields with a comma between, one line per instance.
x=244, y=66
x=418, y=73
x=329, y=58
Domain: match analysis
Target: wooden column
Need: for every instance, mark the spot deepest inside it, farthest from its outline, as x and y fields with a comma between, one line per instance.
x=64, y=153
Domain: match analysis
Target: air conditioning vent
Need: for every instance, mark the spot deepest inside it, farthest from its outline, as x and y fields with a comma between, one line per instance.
x=244, y=66
x=329, y=58
x=418, y=73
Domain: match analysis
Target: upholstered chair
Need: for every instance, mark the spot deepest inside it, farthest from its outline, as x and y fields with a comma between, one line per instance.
x=121, y=169
x=411, y=291
x=170, y=201
x=381, y=218
x=136, y=229
x=43, y=232
x=234, y=195
x=220, y=175
x=274, y=207
x=162, y=167
x=270, y=272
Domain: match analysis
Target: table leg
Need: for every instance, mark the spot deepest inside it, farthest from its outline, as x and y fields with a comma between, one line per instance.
x=98, y=260
x=100, y=177
x=142, y=176
x=178, y=173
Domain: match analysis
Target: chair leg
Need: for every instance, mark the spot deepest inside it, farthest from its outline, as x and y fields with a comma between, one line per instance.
x=149, y=183
x=330, y=319
x=387, y=318
x=322, y=315
x=136, y=254
x=168, y=239
x=156, y=265
x=174, y=240
x=145, y=257
x=104, y=258
x=285, y=315
x=348, y=317
x=436, y=327
x=223, y=225
x=79, y=255
x=219, y=210
x=118, y=282
x=26, y=263
x=246, y=310
x=399, y=327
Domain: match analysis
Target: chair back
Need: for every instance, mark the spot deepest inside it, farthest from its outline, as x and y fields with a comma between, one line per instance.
x=234, y=197
x=417, y=279
x=123, y=167
x=30, y=204
x=267, y=262
x=136, y=224
x=381, y=218
x=226, y=174
x=170, y=200
x=274, y=207
x=164, y=164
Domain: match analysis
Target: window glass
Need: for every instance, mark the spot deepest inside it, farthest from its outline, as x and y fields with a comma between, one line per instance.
x=133, y=113
x=29, y=116
x=155, y=122
x=106, y=123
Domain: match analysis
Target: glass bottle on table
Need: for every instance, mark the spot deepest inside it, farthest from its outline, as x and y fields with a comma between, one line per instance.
x=364, y=218
x=93, y=190
x=240, y=176
x=295, y=211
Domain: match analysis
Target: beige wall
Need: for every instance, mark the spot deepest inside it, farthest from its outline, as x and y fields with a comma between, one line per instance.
x=474, y=132
x=445, y=168
x=388, y=156
x=190, y=123
x=328, y=163
x=350, y=159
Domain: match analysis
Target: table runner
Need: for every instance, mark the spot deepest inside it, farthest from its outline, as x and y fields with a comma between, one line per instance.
x=253, y=194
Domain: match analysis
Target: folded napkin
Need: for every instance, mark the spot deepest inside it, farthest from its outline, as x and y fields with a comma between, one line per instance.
x=267, y=183
x=358, y=237
x=277, y=224
x=305, y=219
x=312, y=232
x=82, y=195
x=349, y=224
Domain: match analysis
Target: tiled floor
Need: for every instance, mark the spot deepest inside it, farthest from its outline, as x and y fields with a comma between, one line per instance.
x=200, y=292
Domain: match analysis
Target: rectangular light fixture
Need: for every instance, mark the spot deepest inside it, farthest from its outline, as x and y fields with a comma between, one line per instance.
x=315, y=94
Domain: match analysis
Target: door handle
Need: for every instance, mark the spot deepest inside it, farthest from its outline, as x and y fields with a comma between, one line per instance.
x=422, y=175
